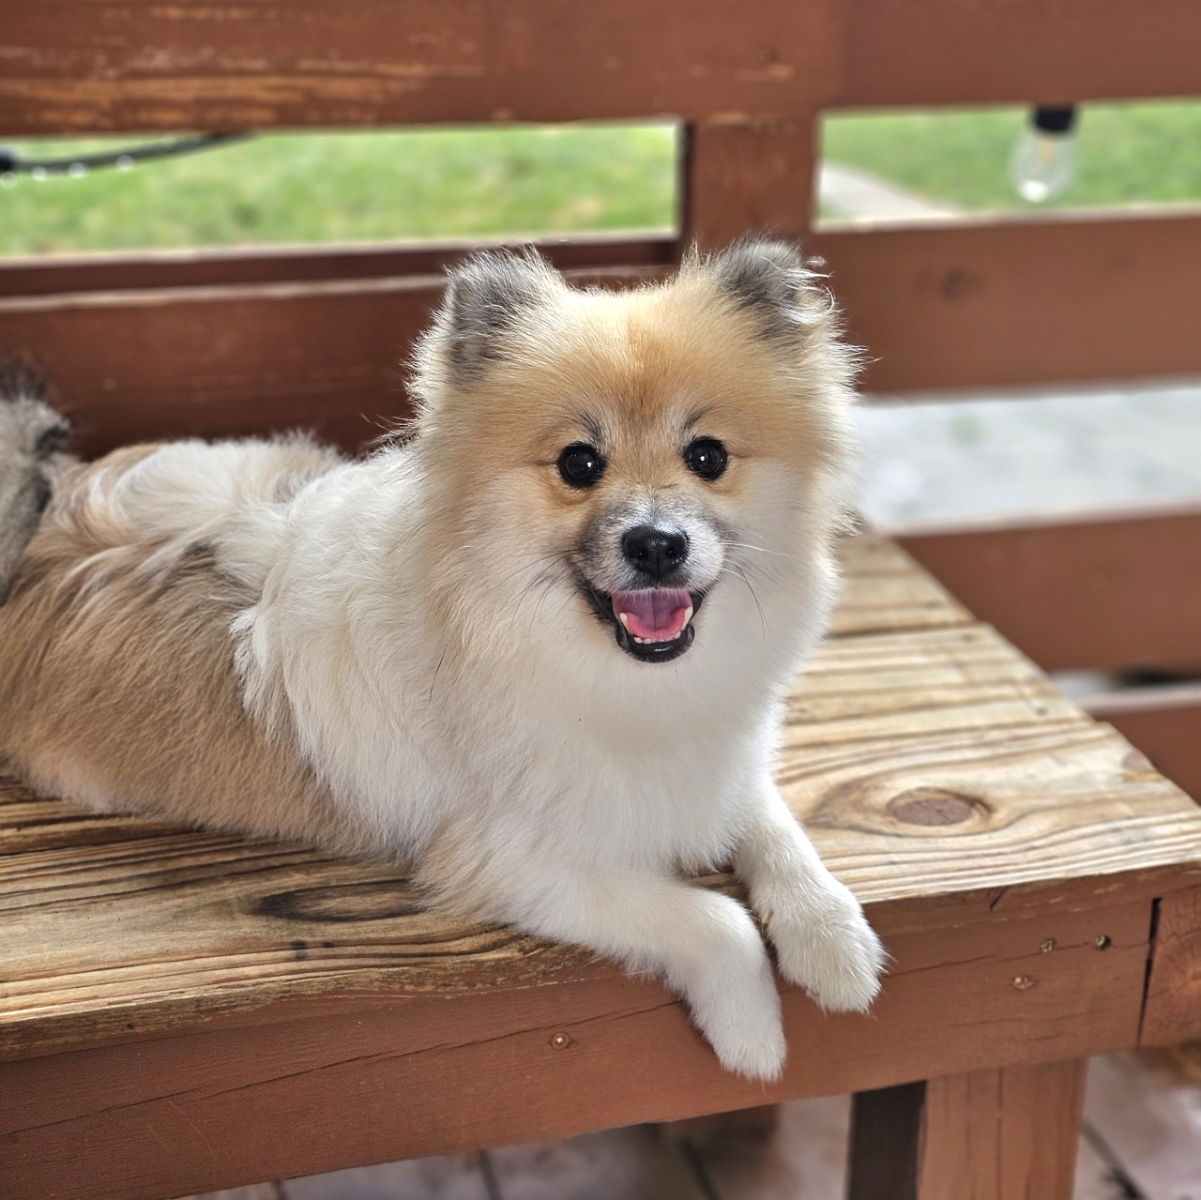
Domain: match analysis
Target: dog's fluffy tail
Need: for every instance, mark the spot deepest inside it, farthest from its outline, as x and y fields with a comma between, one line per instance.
x=31, y=440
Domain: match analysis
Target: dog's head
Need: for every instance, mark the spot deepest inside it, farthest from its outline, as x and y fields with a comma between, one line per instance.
x=646, y=470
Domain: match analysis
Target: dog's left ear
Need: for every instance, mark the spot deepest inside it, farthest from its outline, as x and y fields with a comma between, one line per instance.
x=769, y=277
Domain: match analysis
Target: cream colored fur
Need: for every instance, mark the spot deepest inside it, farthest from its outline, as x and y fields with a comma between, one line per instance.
x=393, y=657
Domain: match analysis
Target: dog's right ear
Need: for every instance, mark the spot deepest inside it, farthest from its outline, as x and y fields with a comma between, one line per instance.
x=485, y=298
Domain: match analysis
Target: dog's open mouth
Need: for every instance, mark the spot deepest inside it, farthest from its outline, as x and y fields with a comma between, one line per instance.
x=650, y=624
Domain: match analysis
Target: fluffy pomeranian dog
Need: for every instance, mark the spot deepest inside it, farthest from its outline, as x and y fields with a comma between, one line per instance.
x=539, y=650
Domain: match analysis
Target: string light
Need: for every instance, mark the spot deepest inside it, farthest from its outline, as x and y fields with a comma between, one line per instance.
x=1045, y=153
x=76, y=166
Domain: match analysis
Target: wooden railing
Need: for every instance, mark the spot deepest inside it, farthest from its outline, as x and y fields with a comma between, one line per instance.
x=233, y=341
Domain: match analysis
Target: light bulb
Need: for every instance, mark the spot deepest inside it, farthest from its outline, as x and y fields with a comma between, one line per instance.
x=1045, y=154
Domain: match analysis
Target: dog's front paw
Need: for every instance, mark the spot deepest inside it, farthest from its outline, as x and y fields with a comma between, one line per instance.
x=750, y=1042
x=833, y=953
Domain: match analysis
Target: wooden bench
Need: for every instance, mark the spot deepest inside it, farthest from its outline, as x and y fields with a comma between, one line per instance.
x=181, y=1012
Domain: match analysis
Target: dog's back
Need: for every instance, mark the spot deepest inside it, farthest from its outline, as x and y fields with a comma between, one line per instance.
x=117, y=679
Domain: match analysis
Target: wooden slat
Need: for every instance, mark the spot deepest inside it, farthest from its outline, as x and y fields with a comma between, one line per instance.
x=1002, y=1134
x=1173, y=1009
x=940, y=774
x=497, y=1064
x=959, y=307
x=985, y=303
x=142, y=65
x=230, y=361
x=1164, y=723
x=1110, y=592
x=949, y=52
x=740, y=176
x=37, y=275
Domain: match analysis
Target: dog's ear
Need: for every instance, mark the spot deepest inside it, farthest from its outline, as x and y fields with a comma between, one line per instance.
x=769, y=277
x=485, y=297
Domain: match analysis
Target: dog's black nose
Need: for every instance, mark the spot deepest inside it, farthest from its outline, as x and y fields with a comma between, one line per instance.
x=655, y=551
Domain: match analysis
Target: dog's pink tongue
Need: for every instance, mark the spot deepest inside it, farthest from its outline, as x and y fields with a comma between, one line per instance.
x=659, y=613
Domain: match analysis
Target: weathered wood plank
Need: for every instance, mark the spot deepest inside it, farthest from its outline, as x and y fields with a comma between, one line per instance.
x=231, y=361
x=499, y=1064
x=158, y=270
x=956, y=307
x=947, y=52
x=1173, y=1011
x=1124, y=585
x=142, y=65
x=988, y=303
x=742, y=175
x=1007, y=1134
x=939, y=774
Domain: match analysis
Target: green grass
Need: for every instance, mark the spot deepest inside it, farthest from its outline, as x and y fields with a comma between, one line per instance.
x=353, y=187
x=524, y=180
x=1125, y=154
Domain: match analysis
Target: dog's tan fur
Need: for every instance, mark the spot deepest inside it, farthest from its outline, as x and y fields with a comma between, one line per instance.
x=122, y=687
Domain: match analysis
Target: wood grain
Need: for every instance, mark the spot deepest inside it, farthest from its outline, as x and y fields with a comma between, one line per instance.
x=936, y=748
x=1125, y=584
x=741, y=175
x=496, y=1064
x=1173, y=1009
x=1005, y=1134
x=951, y=307
x=142, y=65
x=1009, y=848
x=157, y=270
x=986, y=303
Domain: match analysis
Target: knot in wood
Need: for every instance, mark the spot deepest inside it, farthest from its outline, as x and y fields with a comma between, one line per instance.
x=931, y=806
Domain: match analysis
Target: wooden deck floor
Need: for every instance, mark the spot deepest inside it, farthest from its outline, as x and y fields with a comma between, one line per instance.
x=1141, y=1141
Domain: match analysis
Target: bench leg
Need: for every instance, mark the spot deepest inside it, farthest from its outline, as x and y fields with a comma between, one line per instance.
x=1008, y=1134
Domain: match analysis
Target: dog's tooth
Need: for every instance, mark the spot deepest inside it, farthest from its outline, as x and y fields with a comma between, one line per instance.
x=624, y=618
x=687, y=616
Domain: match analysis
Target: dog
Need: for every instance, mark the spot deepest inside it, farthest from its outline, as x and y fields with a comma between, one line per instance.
x=538, y=649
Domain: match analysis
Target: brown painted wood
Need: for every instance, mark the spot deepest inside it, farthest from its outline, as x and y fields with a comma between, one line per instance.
x=739, y=176
x=985, y=303
x=142, y=65
x=958, y=307
x=493, y=1063
x=230, y=361
x=1008, y=1133
x=38, y=275
x=1112, y=591
x=948, y=52
x=1173, y=1012
x=1002, y=1134
x=1164, y=723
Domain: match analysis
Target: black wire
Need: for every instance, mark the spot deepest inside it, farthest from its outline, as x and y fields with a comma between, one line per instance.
x=12, y=163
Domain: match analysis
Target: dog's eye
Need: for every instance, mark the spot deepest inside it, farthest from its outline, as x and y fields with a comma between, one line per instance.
x=707, y=458
x=580, y=465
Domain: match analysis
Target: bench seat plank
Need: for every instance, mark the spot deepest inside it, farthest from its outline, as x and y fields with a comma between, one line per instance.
x=932, y=763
